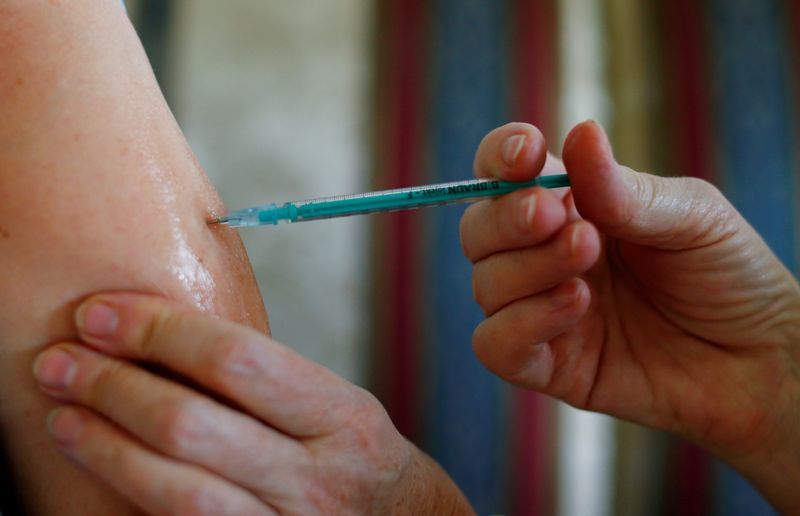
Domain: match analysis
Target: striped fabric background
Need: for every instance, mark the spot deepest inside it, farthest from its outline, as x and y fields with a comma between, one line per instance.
x=755, y=140
x=706, y=89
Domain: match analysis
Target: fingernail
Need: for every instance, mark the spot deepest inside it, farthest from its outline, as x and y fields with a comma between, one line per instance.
x=512, y=148
x=575, y=240
x=64, y=426
x=530, y=211
x=54, y=369
x=96, y=319
x=564, y=295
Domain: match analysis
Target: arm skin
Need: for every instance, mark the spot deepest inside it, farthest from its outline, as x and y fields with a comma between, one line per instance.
x=650, y=299
x=98, y=190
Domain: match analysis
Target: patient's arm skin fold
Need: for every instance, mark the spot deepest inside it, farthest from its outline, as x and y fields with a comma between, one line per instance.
x=98, y=191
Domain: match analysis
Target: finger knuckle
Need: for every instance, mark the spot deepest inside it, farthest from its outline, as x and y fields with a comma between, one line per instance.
x=705, y=193
x=370, y=430
x=700, y=185
x=181, y=426
x=234, y=357
x=642, y=198
x=198, y=500
x=716, y=217
x=101, y=452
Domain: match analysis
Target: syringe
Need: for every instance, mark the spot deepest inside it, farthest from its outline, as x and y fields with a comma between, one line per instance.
x=385, y=200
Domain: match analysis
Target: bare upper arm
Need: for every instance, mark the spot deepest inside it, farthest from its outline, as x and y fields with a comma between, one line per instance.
x=98, y=191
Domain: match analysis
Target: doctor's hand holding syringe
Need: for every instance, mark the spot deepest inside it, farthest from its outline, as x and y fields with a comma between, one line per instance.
x=650, y=299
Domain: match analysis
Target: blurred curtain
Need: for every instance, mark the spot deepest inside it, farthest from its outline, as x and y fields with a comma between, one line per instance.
x=153, y=22
x=706, y=89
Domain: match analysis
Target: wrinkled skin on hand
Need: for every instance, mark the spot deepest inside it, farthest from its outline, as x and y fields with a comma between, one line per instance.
x=253, y=428
x=646, y=298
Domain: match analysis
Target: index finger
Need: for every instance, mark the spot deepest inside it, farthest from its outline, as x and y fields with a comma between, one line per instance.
x=267, y=379
x=513, y=152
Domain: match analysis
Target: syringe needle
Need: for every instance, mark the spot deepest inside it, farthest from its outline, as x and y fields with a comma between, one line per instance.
x=385, y=200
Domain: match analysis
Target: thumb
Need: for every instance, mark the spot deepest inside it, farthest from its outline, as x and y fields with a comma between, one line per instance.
x=666, y=213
